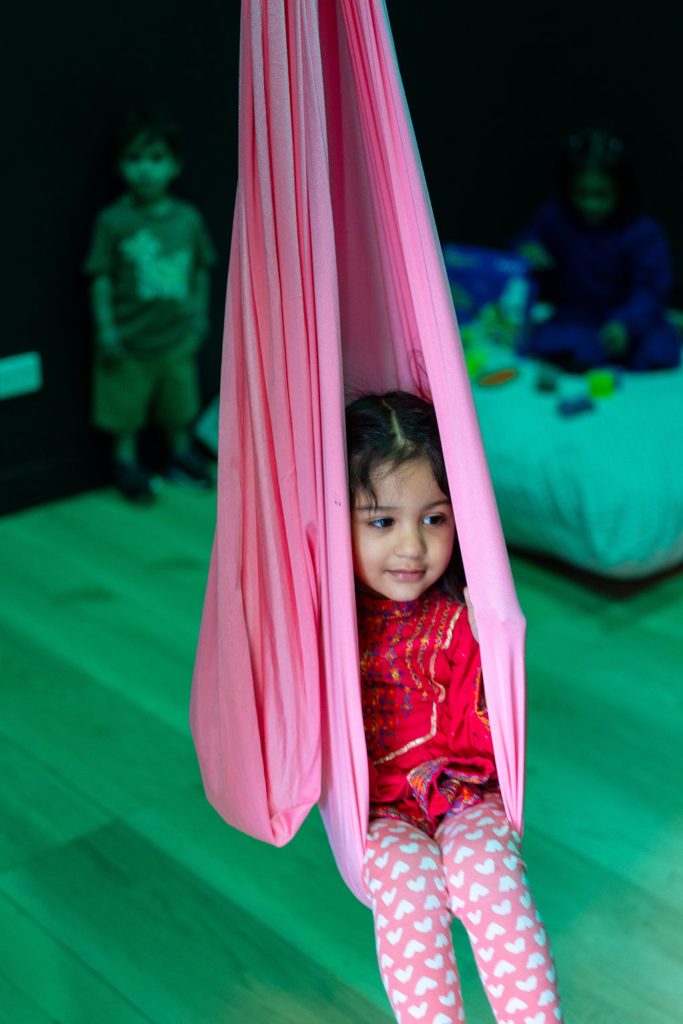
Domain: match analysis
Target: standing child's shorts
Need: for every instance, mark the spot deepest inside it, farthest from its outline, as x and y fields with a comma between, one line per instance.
x=127, y=391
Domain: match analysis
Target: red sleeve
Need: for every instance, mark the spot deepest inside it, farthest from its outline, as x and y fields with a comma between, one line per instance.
x=469, y=730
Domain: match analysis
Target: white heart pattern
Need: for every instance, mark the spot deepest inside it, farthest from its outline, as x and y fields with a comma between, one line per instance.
x=435, y=962
x=418, y=1012
x=395, y=936
x=413, y=947
x=518, y=946
x=494, y=929
x=386, y=960
x=441, y=941
x=424, y=926
x=496, y=990
x=404, y=907
x=424, y=984
x=523, y=923
x=405, y=975
x=428, y=864
x=493, y=846
x=487, y=868
x=441, y=1018
x=399, y=868
x=457, y=879
x=477, y=834
x=516, y=1004
x=507, y=884
x=409, y=848
x=487, y=954
x=503, y=908
x=541, y=937
x=399, y=997
x=546, y=997
x=463, y=851
x=418, y=884
x=448, y=1000
x=502, y=968
x=389, y=896
x=539, y=1018
x=382, y=921
x=474, y=916
x=530, y=985
x=387, y=841
x=477, y=890
x=535, y=960
x=432, y=902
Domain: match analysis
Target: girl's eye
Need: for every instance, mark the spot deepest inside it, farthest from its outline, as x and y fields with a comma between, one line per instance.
x=381, y=524
x=434, y=520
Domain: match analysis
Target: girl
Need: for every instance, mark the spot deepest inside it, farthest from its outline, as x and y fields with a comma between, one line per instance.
x=602, y=265
x=439, y=845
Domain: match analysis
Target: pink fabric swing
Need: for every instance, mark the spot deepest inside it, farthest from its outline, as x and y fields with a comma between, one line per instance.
x=336, y=288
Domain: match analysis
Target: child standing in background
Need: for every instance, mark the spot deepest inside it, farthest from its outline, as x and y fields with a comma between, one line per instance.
x=149, y=262
x=603, y=266
x=439, y=844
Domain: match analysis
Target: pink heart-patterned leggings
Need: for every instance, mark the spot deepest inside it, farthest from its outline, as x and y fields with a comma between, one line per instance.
x=472, y=869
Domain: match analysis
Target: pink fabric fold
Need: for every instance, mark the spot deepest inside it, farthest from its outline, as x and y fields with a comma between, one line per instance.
x=336, y=287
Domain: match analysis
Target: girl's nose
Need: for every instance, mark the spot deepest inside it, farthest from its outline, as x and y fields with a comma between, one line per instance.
x=410, y=543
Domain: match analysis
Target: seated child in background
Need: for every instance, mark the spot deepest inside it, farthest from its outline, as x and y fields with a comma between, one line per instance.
x=601, y=264
x=149, y=261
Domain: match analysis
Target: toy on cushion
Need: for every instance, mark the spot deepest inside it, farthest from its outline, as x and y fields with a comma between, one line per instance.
x=493, y=293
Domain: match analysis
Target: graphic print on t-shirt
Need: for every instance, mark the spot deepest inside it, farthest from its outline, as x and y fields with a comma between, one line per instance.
x=157, y=276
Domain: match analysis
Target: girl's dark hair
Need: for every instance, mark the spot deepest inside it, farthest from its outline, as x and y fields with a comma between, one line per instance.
x=386, y=431
x=598, y=150
x=148, y=126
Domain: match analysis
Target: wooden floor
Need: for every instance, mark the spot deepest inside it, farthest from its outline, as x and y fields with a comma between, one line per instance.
x=124, y=898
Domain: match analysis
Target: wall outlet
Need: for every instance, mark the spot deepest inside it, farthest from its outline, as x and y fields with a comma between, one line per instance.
x=20, y=375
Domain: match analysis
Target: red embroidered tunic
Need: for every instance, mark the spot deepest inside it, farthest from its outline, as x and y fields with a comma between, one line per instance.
x=426, y=724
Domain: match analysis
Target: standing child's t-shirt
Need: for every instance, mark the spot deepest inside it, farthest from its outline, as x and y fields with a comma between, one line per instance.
x=151, y=260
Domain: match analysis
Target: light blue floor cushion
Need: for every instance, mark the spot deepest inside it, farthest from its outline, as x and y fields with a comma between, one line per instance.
x=601, y=489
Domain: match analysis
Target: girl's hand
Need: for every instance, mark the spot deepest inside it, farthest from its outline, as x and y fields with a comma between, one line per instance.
x=537, y=255
x=470, y=614
x=614, y=337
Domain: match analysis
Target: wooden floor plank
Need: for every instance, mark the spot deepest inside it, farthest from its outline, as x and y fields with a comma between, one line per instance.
x=107, y=749
x=171, y=943
x=42, y=981
x=38, y=809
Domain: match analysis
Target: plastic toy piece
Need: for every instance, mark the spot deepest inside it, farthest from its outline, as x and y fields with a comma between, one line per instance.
x=574, y=406
x=602, y=383
x=546, y=379
x=496, y=377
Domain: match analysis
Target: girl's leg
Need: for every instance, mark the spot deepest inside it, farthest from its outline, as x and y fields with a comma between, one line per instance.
x=489, y=892
x=404, y=876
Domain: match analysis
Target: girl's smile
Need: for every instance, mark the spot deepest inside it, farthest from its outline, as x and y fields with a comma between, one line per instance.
x=403, y=542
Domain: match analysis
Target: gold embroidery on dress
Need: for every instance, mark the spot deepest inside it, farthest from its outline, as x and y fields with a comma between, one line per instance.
x=449, y=634
x=413, y=743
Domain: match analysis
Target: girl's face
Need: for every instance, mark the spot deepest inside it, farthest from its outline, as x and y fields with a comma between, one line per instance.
x=594, y=197
x=403, y=544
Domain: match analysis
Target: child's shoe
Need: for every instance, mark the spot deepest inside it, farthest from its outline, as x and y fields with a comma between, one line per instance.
x=189, y=468
x=135, y=483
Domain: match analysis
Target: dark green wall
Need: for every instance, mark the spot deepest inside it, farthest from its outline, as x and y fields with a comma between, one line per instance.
x=493, y=88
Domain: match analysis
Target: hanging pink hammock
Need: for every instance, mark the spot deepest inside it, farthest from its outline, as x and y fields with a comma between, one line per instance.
x=336, y=288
